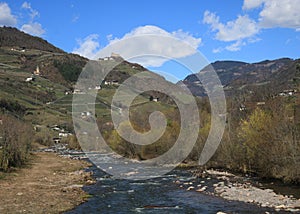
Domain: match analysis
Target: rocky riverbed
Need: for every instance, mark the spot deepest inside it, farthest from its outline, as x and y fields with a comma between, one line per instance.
x=213, y=183
x=233, y=187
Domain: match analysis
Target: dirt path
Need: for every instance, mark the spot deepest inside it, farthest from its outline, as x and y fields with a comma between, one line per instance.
x=51, y=184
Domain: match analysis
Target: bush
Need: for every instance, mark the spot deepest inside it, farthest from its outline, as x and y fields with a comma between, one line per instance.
x=69, y=70
x=43, y=136
x=72, y=142
x=271, y=144
x=15, y=142
x=12, y=106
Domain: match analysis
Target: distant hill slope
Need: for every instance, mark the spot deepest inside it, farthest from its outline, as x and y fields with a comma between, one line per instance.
x=46, y=101
x=12, y=37
x=22, y=52
x=235, y=75
x=50, y=91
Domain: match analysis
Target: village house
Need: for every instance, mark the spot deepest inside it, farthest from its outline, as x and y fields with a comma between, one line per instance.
x=86, y=114
x=19, y=49
x=78, y=91
x=37, y=71
x=97, y=87
x=111, y=82
x=68, y=92
x=112, y=57
x=56, y=140
x=30, y=79
x=57, y=128
x=289, y=92
x=153, y=99
x=64, y=134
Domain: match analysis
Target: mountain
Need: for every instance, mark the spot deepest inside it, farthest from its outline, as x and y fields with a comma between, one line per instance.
x=12, y=37
x=23, y=52
x=45, y=98
x=37, y=85
x=235, y=75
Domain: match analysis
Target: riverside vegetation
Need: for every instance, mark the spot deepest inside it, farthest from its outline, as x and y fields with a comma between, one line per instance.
x=260, y=137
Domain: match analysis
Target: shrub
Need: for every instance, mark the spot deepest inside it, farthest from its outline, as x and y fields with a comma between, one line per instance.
x=15, y=142
x=73, y=142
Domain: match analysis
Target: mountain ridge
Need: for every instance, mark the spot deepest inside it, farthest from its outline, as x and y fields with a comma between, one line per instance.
x=236, y=74
x=26, y=52
x=12, y=37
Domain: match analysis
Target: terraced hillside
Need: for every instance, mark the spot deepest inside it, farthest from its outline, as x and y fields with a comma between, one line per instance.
x=37, y=85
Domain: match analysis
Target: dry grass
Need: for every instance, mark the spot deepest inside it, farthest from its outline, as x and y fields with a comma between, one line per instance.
x=45, y=186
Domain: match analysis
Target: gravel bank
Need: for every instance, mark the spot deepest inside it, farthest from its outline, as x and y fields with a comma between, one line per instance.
x=232, y=187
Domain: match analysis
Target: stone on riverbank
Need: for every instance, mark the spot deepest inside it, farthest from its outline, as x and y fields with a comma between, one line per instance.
x=251, y=194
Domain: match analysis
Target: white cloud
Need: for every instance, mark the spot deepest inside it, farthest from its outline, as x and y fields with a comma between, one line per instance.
x=240, y=31
x=26, y=5
x=241, y=28
x=276, y=13
x=236, y=46
x=188, y=38
x=148, y=38
x=88, y=47
x=109, y=37
x=154, y=30
x=284, y=13
x=75, y=18
x=251, y=4
x=32, y=27
x=33, y=13
x=217, y=50
x=6, y=18
x=152, y=39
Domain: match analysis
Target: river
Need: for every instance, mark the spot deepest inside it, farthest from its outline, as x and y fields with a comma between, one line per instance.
x=157, y=195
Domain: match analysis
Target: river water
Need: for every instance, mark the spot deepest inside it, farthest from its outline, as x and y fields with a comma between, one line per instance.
x=157, y=195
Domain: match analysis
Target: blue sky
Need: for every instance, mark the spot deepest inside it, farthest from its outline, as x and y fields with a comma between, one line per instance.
x=245, y=30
